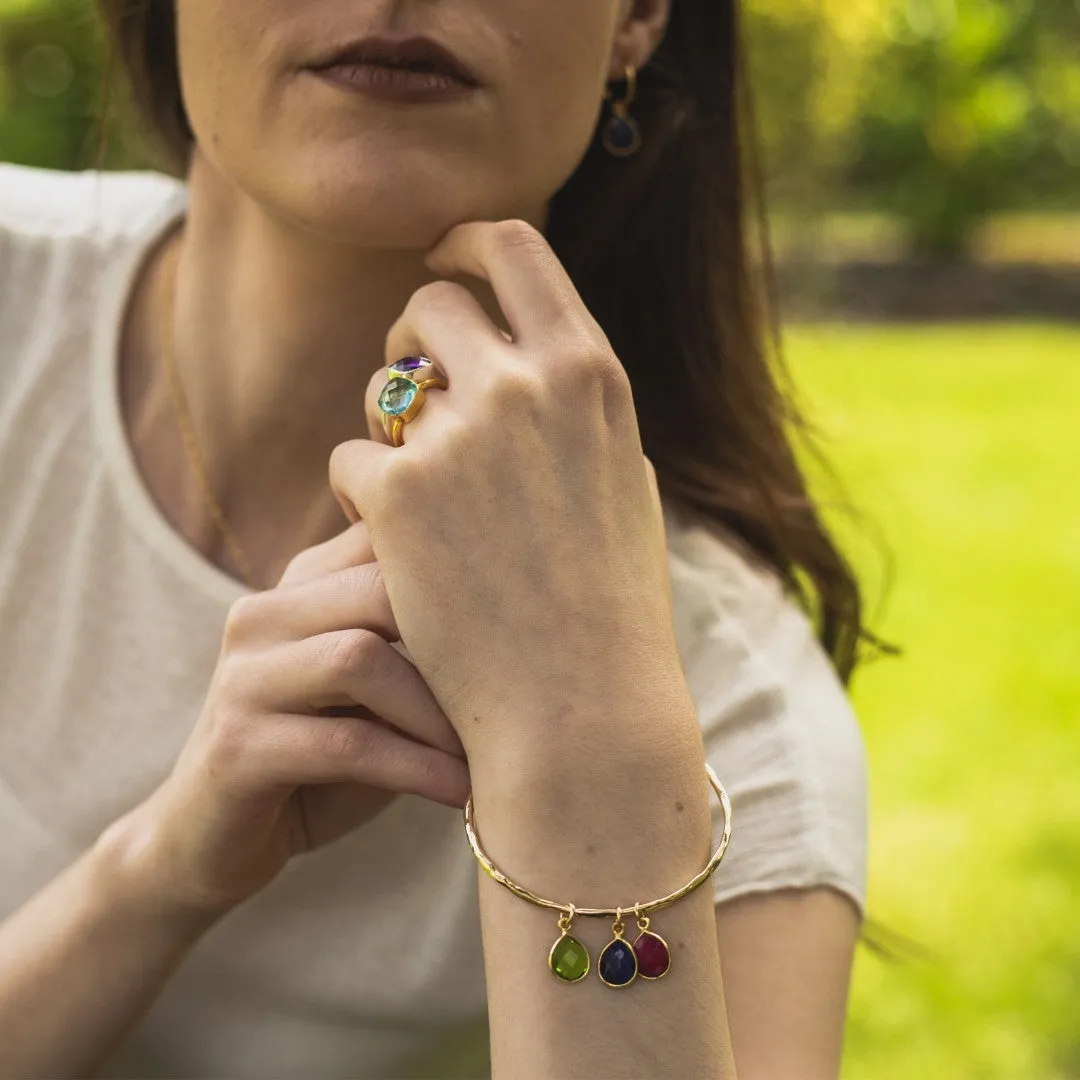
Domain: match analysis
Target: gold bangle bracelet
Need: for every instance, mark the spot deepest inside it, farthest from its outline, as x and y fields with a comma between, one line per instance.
x=620, y=961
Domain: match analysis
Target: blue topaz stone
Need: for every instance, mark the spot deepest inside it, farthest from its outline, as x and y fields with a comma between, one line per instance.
x=397, y=396
x=408, y=365
x=618, y=964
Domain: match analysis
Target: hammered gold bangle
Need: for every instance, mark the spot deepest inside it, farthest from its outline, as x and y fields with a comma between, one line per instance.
x=620, y=961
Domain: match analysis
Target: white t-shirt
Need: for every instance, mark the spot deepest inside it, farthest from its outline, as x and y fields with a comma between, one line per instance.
x=363, y=959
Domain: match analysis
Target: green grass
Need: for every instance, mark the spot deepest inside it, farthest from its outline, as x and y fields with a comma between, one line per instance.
x=962, y=447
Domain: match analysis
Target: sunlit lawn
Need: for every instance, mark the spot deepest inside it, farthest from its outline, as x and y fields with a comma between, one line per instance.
x=962, y=444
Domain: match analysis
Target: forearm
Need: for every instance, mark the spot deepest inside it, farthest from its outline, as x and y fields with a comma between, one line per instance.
x=602, y=828
x=81, y=962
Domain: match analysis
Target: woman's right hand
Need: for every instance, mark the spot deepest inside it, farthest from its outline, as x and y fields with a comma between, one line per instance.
x=313, y=724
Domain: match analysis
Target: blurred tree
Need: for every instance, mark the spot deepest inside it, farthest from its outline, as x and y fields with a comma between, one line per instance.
x=973, y=107
x=809, y=63
x=52, y=58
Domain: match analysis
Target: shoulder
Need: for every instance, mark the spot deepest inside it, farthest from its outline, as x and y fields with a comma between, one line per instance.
x=59, y=229
x=51, y=205
x=63, y=236
x=60, y=232
x=778, y=726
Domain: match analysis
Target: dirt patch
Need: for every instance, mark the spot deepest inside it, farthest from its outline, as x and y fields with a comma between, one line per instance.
x=917, y=291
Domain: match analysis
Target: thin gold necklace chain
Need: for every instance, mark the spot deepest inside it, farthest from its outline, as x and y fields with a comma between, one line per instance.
x=187, y=428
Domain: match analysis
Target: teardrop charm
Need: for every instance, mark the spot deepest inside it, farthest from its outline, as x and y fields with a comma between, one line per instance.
x=621, y=136
x=653, y=955
x=569, y=959
x=617, y=965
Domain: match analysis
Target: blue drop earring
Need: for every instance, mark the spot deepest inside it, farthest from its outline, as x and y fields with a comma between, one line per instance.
x=622, y=136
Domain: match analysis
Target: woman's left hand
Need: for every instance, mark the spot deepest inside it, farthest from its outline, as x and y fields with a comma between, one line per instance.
x=519, y=528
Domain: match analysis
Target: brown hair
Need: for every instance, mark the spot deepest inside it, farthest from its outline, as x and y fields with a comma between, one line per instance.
x=660, y=248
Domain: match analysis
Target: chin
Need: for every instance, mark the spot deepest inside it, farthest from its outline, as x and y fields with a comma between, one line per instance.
x=395, y=198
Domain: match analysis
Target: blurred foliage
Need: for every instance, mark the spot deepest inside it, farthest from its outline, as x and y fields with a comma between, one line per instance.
x=940, y=112
x=57, y=100
x=974, y=107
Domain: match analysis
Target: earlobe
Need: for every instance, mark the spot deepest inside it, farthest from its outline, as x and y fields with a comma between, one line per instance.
x=641, y=29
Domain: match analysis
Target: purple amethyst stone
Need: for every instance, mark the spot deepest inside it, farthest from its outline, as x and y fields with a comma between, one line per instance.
x=408, y=364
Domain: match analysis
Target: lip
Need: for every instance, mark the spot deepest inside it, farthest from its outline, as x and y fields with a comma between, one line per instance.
x=399, y=85
x=378, y=53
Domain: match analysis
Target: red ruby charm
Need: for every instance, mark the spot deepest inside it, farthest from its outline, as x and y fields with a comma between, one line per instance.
x=653, y=955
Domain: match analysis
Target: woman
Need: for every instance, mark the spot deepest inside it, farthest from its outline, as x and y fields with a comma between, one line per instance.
x=241, y=707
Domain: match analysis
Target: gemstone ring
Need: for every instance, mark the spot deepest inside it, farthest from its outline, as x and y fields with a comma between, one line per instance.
x=402, y=397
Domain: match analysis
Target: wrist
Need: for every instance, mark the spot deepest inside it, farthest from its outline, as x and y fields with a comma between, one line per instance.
x=635, y=717
x=134, y=870
x=621, y=821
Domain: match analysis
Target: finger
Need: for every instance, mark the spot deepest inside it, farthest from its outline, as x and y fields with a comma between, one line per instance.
x=293, y=750
x=533, y=289
x=356, y=469
x=445, y=322
x=349, y=668
x=349, y=548
x=353, y=598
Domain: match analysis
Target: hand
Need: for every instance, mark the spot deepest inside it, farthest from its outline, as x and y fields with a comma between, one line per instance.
x=312, y=725
x=519, y=528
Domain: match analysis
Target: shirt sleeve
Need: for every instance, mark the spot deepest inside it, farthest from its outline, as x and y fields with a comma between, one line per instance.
x=779, y=731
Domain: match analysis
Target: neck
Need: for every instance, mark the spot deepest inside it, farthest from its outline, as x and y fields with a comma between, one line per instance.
x=277, y=333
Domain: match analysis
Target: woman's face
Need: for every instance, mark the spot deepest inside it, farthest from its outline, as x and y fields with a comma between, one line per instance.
x=387, y=173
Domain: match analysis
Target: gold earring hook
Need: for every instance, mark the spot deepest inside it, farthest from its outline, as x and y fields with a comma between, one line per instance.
x=631, y=85
x=631, y=89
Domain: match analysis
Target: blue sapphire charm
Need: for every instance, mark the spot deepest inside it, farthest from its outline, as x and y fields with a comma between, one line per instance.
x=622, y=136
x=618, y=965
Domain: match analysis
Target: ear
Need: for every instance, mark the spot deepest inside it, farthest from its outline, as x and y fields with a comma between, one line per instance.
x=641, y=28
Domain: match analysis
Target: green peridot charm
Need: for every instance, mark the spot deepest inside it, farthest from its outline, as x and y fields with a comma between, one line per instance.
x=568, y=958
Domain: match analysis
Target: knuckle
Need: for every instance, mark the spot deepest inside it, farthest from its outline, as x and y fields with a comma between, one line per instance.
x=231, y=682
x=341, y=460
x=402, y=484
x=244, y=617
x=595, y=362
x=513, y=234
x=348, y=739
x=515, y=388
x=594, y=371
x=436, y=295
x=428, y=774
x=299, y=568
x=350, y=652
x=614, y=383
x=367, y=581
x=366, y=578
x=231, y=738
x=358, y=541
